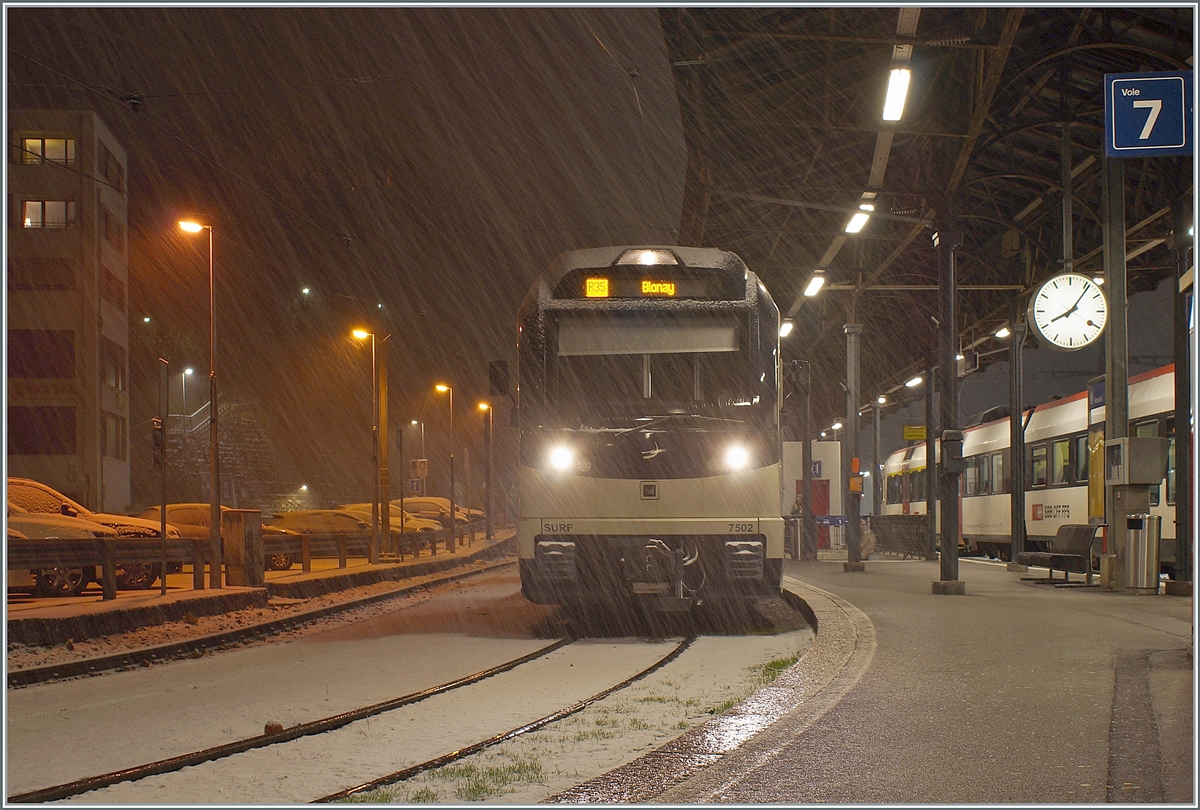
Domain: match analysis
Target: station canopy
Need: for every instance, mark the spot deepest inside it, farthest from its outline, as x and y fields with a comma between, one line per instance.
x=782, y=110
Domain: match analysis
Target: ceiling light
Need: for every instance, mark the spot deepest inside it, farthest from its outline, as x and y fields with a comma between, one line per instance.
x=814, y=284
x=857, y=222
x=836, y=426
x=897, y=92
x=1003, y=332
x=785, y=328
x=882, y=400
x=959, y=357
x=914, y=382
x=1098, y=281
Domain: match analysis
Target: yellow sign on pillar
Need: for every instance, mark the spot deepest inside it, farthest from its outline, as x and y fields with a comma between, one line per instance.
x=914, y=433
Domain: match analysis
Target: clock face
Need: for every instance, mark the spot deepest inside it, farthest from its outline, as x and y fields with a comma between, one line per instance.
x=1069, y=311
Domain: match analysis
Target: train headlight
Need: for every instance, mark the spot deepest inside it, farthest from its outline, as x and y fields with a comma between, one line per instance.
x=737, y=457
x=561, y=457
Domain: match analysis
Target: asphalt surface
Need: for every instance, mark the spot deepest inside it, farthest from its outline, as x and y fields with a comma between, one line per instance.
x=1015, y=692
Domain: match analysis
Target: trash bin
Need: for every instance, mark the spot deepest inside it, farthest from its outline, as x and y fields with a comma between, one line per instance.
x=1141, y=553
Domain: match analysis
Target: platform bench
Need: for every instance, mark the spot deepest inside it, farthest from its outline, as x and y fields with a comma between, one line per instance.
x=1070, y=551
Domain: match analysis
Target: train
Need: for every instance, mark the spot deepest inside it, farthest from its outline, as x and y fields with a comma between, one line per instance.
x=648, y=401
x=1059, y=461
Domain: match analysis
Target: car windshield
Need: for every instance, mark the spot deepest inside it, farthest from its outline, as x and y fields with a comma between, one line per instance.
x=45, y=501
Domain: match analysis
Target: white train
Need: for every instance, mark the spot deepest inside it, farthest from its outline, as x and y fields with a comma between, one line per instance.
x=649, y=396
x=1056, y=471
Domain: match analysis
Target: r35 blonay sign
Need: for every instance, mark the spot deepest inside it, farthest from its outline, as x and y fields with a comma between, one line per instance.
x=1148, y=114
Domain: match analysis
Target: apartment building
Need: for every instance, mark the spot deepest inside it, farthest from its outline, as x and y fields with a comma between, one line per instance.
x=68, y=320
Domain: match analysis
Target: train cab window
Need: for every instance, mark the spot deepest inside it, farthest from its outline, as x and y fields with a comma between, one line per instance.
x=1146, y=429
x=1060, y=461
x=894, y=489
x=916, y=485
x=999, y=485
x=1038, y=477
x=1081, y=459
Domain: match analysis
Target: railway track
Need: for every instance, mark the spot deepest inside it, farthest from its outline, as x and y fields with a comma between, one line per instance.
x=214, y=641
x=338, y=724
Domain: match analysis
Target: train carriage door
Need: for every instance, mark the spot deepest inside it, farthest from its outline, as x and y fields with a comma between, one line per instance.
x=820, y=506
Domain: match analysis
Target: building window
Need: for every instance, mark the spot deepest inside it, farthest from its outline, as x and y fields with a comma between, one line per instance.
x=41, y=430
x=114, y=436
x=112, y=289
x=40, y=274
x=110, y=169
x=114, y=231
x=48, y=150
x=41, y=354
x=48, y=213
x=114, y=365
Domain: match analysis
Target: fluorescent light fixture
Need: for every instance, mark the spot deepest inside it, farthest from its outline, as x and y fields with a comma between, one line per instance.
x=914, y=382
x=897, y=92
x=785, y=329
x=1098, y=281
x=836, y=426
x=1003, y=332
x=814, y=285
x=860, y=219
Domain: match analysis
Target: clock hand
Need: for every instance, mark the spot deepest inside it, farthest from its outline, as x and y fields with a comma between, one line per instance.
x=1073, y=308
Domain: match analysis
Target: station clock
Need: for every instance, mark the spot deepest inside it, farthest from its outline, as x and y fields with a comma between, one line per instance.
x=1068, y=311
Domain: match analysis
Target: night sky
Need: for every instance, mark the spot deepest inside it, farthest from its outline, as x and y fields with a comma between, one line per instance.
x=431, y=160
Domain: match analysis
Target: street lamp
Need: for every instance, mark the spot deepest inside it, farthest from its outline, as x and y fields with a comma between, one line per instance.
x=380, y=518
x=214, y=461
x=490, y=521
x=415, y=423
x=443, y=389
x=187, y=372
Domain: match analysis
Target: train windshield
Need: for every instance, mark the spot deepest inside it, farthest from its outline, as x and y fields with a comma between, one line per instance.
x=610, y=369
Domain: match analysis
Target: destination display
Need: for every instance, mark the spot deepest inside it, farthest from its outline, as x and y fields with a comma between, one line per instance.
x=650, y=282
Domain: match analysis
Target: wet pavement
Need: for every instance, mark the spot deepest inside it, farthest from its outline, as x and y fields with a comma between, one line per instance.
x=1015, y=692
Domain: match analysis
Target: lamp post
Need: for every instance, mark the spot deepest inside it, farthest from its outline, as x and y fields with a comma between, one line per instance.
x=451, y=543
x=214, y=470
x=488, y=524
x=415, y=423
x=187, y=372
x=380, y=505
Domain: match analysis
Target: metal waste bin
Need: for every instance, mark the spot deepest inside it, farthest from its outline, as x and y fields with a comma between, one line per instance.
x=1141, y=560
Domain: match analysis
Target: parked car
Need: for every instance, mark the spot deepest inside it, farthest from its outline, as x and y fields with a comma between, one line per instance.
x=320, y=521
x=193, y=521
x=412, y=523
x=36, y=497
x=57, y=581
x=439, y=510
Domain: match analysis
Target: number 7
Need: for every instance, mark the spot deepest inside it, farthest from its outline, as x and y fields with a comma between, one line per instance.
x=1155, y=107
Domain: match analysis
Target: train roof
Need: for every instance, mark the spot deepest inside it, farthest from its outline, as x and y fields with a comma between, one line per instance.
x=597, y=257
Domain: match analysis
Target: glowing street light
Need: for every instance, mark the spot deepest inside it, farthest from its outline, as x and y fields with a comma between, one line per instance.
x=444, y=389
x=214, y=471
x=380, y=518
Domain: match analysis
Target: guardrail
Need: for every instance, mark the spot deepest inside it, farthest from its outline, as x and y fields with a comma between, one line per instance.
x=907, y=535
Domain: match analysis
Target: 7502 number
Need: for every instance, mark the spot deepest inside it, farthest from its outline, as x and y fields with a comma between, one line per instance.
x=741, y=528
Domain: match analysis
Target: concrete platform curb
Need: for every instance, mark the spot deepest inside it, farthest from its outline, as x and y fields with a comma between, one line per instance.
x=44, y=630
x=700, y=764
x=333, y=582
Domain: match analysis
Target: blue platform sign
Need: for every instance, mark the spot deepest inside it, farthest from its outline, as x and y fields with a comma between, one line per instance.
x=1148, y=114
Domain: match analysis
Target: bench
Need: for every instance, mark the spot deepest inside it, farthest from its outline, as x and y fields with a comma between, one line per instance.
x=1070, y=551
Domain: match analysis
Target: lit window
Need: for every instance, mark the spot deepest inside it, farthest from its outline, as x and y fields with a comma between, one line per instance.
x=47, y=150
x=48, y=213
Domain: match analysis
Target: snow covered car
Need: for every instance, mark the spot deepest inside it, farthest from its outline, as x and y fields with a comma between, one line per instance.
x=56, y=581
x=192, y=521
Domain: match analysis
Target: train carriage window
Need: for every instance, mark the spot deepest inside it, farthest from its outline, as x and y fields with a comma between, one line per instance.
x=972, y=477
x=985, y=469
x=916, y=485
x=1060, y=458
x=1148, y=428
x=1081, y=459
x=1038, y=476
x=999, y=485
x=893, y=489
x=1171, y=462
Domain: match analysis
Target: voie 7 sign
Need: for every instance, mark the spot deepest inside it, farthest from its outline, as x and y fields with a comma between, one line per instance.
x=1148, y=114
